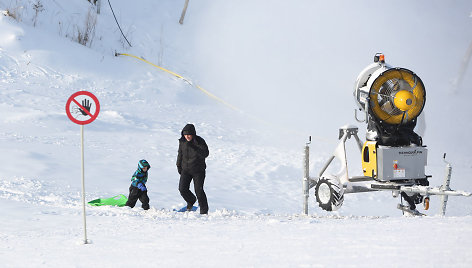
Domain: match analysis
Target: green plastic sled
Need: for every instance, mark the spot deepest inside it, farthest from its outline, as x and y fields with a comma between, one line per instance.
x=119, y=201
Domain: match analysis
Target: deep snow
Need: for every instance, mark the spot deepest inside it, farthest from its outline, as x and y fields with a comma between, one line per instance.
x=291, y=68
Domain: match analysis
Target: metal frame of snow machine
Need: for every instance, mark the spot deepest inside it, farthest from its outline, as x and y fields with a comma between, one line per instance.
x=393, y=156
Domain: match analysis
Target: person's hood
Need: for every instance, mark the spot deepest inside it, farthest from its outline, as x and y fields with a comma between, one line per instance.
x=189, y=129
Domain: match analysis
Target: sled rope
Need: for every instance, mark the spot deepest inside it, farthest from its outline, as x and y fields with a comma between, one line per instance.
x=209, y=94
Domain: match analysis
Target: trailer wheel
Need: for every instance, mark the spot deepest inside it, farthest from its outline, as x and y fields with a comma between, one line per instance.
x=329, y=193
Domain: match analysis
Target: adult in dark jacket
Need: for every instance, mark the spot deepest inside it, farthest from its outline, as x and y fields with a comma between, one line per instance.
x=191, y=165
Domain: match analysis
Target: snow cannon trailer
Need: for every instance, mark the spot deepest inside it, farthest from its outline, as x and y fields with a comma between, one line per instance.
x=393, y=155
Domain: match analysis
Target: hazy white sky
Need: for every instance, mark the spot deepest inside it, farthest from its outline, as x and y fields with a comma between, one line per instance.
x=296, y=62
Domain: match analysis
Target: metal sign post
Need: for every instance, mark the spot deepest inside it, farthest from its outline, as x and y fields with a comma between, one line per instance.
x=83, y=182
x=83, y=113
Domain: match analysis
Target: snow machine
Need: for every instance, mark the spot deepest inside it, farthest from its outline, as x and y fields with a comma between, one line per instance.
x=393, y=155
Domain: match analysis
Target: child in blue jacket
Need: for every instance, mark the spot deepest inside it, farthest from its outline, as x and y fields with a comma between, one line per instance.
x=138, y=189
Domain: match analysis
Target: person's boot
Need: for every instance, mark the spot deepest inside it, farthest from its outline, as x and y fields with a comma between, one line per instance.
x=204, y=211
x=190, y=206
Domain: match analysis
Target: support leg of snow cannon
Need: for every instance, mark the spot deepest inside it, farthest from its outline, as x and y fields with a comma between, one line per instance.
x=345, y=133
x=308, y=182
x=306, y=177
x=445, y=186
x=444, y=190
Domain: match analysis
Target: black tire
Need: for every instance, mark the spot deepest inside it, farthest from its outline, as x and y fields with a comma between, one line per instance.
x=329, y=193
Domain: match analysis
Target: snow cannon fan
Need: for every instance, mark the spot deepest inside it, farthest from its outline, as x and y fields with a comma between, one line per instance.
x=392, y=99
x=393, y=156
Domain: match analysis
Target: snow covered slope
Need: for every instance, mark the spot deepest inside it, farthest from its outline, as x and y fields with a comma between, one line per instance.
x=290, y=70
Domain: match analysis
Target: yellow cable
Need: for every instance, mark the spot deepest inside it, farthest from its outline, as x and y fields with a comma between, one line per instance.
x=218, y=99
x=211, y=95
x=157, y=66
x=185, y=79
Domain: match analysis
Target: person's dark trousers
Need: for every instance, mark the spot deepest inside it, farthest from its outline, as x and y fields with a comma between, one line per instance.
x=198, y=181
x=134, y=195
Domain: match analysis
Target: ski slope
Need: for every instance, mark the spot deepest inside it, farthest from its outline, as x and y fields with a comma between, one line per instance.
x=290, y=73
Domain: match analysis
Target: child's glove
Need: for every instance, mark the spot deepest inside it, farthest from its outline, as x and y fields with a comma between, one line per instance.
x=142, y=187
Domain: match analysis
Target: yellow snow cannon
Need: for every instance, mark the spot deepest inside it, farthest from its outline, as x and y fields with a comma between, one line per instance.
x=393, y=155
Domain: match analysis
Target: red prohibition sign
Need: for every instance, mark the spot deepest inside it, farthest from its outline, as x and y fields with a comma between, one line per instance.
x=82, y=108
